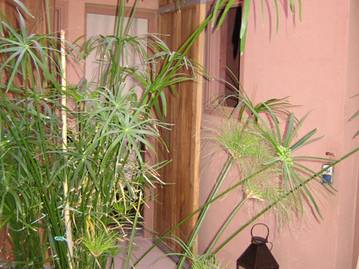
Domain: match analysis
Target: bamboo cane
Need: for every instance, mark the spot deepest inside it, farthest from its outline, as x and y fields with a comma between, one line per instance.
x=67, y=216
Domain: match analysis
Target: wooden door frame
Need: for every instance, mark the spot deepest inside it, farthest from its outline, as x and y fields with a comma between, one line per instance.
x=61, y=14
x=212, y=54
x=101, y=9
x=142, y=13
x=171, y=7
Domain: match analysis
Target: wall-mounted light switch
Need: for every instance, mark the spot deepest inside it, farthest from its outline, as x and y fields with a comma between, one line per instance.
x=327, y=176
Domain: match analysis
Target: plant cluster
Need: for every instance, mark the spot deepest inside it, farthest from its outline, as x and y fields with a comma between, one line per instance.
x=263, y=146
x=73, y=164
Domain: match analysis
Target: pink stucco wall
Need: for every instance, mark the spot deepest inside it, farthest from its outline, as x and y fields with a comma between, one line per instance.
x=314, y=63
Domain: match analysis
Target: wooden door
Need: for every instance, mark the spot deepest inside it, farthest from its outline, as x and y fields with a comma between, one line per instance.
x=180, y=196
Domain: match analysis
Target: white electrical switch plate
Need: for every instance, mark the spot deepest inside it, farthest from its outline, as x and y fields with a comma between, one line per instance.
x=327, y=175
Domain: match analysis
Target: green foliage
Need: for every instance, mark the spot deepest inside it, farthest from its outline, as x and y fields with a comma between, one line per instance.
x=244, y=142
x=205, y=262
x=111, y=124
x=240, y=142
x=111, y=128
x=246, y=107
x=101, y=244
x=264, y=147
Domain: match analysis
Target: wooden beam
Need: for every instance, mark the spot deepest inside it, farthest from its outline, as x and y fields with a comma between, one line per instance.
x=171, y=7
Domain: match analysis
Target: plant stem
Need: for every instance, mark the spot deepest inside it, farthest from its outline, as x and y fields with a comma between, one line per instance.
x=219, y=182
x=133, y=234
x=67, y=216
x=188, y=217
x=225, y=225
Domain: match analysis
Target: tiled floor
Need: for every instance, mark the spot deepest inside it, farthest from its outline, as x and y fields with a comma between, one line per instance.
x=156, y=259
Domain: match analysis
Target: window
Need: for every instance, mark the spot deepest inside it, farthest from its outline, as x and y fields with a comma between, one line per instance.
x=100, y=20
x=103, y=24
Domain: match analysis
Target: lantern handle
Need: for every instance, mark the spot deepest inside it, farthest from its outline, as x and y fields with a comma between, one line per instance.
x=261, y=224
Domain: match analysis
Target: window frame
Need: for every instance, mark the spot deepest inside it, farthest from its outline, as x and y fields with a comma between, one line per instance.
x=111, y=10
x=61, y=15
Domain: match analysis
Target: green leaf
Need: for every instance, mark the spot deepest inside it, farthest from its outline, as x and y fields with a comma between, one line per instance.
x=20, y=4
x=245, y=18
x=276, y=14
x=289, y=130
x=303, y=140
x=292, y=5
x=356, y=114
x=225, y=12
x=300, y=10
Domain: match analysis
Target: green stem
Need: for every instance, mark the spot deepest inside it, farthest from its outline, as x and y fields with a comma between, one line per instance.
x=133, y=234
x=186, y=219
x=225, y=225
x=219, y=182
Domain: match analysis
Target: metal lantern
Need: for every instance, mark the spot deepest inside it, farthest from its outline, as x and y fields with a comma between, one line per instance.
x=257, y=255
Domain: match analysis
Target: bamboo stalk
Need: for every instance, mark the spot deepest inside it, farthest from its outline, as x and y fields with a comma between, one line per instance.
x=67, y=214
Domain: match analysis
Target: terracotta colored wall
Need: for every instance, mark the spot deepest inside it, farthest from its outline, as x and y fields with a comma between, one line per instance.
x=312, y=62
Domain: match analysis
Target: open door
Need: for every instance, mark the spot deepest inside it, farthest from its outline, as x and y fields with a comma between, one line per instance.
x=180, y=196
